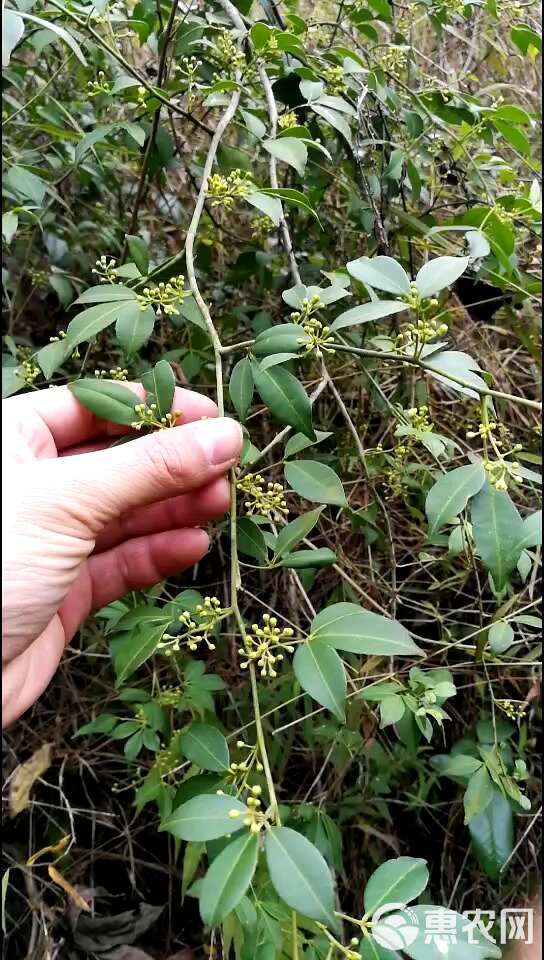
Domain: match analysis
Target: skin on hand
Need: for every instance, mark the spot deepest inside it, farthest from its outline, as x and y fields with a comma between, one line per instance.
x=84, y=521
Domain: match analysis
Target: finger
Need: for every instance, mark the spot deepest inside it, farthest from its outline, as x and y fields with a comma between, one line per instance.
x=95, y=488
x=70, y=423
x=26, y=676
x=132, y=565
x=188, y=510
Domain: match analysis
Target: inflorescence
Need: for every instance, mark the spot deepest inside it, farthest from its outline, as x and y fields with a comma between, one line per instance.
x=266, y=501
x=264, y=646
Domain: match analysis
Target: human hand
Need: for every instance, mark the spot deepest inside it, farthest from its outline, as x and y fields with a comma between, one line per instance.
x=85, y=522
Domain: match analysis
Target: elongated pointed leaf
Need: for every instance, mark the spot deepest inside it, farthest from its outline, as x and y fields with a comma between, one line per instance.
x=241, y=387
x=294, y=532
x=251, y=541
x=106, y=293
x=497, y=528
x=315, y=481
x=367, y=312
x=285, y=397
x=135, y=649
x=492, y=834
x=320, y=672
x=346, y=626
x=383, y=273
x=451, y=493
x=290, y=150
x=396, y=881
x=300, y=875
x=282, y=338
x=106, y=399
x=133, y=328
x=478, y=794
x=92, y=321
x=228, y=879
x=270, y=206
x=205, y=746
x=160, y=383
x=205, y=817
x=440, y=273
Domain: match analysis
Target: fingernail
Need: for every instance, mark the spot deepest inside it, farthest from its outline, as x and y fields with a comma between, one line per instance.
x=221, y=439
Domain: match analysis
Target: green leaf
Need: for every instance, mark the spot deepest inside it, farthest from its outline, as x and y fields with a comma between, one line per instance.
x=370, y=950
x=228, y=878
x=497, y=529
x=300, y=875
x=461, y=765
x=106, y=399
x=290, y=150
x=251, y=540
x=320, y=672
x=285, y=397
x=26, y=184
x=294, y=197
x=276, y=358
x=205, y=817
x=532, y=530
x=315, y=481
x=449, y=496
x=101, y=724
x=524, y=39
x=161, y=385
x=106, y=293
x=439, y=273
x=12, y=31
x=294, y=532
x=346, y=626
x=133, y=328
x=299, y=442
x=87, y=142
x=282, y=338
x=134, y=649
x=309, y=559
x=334, y=118
x=395, y=881
x=139, y=253
x=459, y=364
x=515, y=137
x=383, y=273
x=479, y=793
x=492, y=834
x=58, y=31
x=391, y=711
x=92, y=321
x=500, y=637
x=367, y=312
x=205, y=746
x=270, y=206
x=52, y=356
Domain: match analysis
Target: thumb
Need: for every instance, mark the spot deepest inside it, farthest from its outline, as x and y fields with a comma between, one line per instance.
x=100, y=486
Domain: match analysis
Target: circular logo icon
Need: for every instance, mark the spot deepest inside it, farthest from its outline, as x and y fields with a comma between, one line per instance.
x=394, y=926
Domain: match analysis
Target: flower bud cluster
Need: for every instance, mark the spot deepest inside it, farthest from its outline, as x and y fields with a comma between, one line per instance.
x=308, y=308
x=288, y=120
x=335, y=81
x=170, y=696
x=262, y=646
x=98, y=86
x=393, y=61
x=261, y=228
x=147, y=416
x=253, y=817
x=231, y=59
x=512, y=710
x=319, y=338
x=419, y=418
x=165, y=297
x=202, y=623
x=223, y=191
x=105, y=270
x=266, y=501
x=116, y=373
x=501, y=473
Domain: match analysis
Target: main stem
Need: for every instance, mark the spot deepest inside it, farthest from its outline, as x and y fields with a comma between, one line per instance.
x=218, y=349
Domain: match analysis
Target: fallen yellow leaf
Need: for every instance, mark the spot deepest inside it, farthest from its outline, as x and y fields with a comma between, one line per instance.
x=25, y=776
x=75, y=897
x=52, y=848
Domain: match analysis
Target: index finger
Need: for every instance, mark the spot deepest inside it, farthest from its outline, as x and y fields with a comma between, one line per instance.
x=70, y=423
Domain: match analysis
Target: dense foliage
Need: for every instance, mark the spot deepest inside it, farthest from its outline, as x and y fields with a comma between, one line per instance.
x=328, y=218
